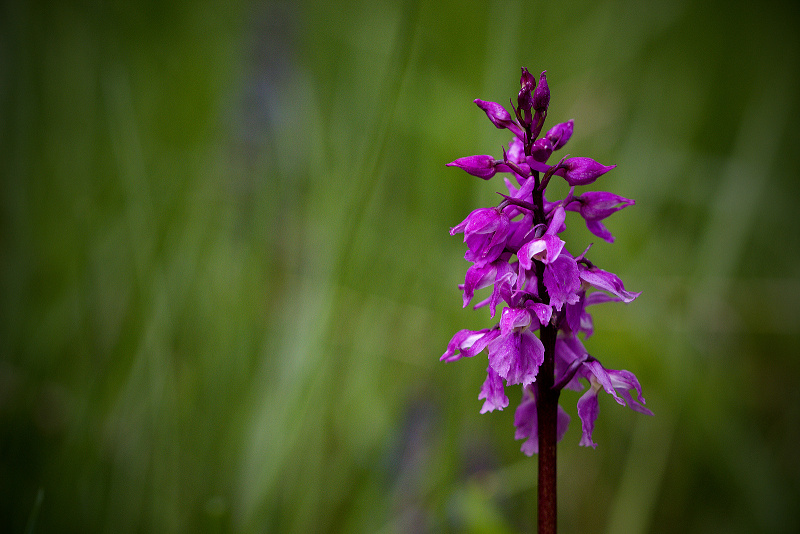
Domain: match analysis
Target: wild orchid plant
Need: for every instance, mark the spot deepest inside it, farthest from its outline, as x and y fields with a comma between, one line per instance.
x=516, y=248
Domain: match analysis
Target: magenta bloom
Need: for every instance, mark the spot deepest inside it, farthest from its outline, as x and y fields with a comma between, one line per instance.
x=485, y=232
x=517, y=249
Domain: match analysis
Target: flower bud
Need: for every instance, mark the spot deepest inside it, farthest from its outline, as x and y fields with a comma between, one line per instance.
x=527, y=84
x=499, y=116
x=542, y=149
x=582, y=171
x=480, y=166
x=560, y=134
x=541, y=96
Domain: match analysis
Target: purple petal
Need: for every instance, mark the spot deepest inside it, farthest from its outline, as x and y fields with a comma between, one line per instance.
x=461, y=338
x=558, y=216
x=516, y=357
x=574, y=312
x=526, y=421
x=537, y=165
x=468, y=343
x=516, y=151
x=492, y=391
x=503, y=283
x=568, y=351
x=606, y=281
x=543, y=312
x=477, y=278
x=599, y=204
x=600, y=298
x=562, y=281
x=600, y=230
x=588, y=408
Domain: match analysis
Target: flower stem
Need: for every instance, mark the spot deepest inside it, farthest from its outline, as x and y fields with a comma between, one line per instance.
x=547, y=414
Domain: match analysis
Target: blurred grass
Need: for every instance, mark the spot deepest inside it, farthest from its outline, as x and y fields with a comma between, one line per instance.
x=226, y=276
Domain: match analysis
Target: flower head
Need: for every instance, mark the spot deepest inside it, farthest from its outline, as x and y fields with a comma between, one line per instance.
x=517, y=249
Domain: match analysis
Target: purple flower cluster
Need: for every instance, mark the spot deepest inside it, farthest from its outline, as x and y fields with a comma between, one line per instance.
x=515, y=247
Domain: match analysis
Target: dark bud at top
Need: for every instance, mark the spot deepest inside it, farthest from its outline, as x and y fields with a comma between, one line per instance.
x=527, y=84
x=541, y=96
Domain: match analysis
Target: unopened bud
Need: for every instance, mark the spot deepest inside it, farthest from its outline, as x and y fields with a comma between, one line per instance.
x=541, y=96
x=480, y=166
x=582, y=171
x=560, y=134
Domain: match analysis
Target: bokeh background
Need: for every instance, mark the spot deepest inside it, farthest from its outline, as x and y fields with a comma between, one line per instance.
x=226, y=276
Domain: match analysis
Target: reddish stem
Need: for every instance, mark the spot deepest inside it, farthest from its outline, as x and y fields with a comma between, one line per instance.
x=547, y=414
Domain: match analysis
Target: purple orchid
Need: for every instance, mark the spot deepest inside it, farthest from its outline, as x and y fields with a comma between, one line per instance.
x=516, y=249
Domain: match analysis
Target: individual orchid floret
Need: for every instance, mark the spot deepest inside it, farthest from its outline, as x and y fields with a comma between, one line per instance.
x=622, y=382
x=613, y=382
x=582, y=171
x=595, y=206
x=560, y=134
x=499, y=116
x=485, y=231
x=468, y=343
x=480, y=166
x=546, y=248
x=478, y=277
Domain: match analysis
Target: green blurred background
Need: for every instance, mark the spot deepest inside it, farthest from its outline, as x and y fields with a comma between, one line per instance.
x=226, y=276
